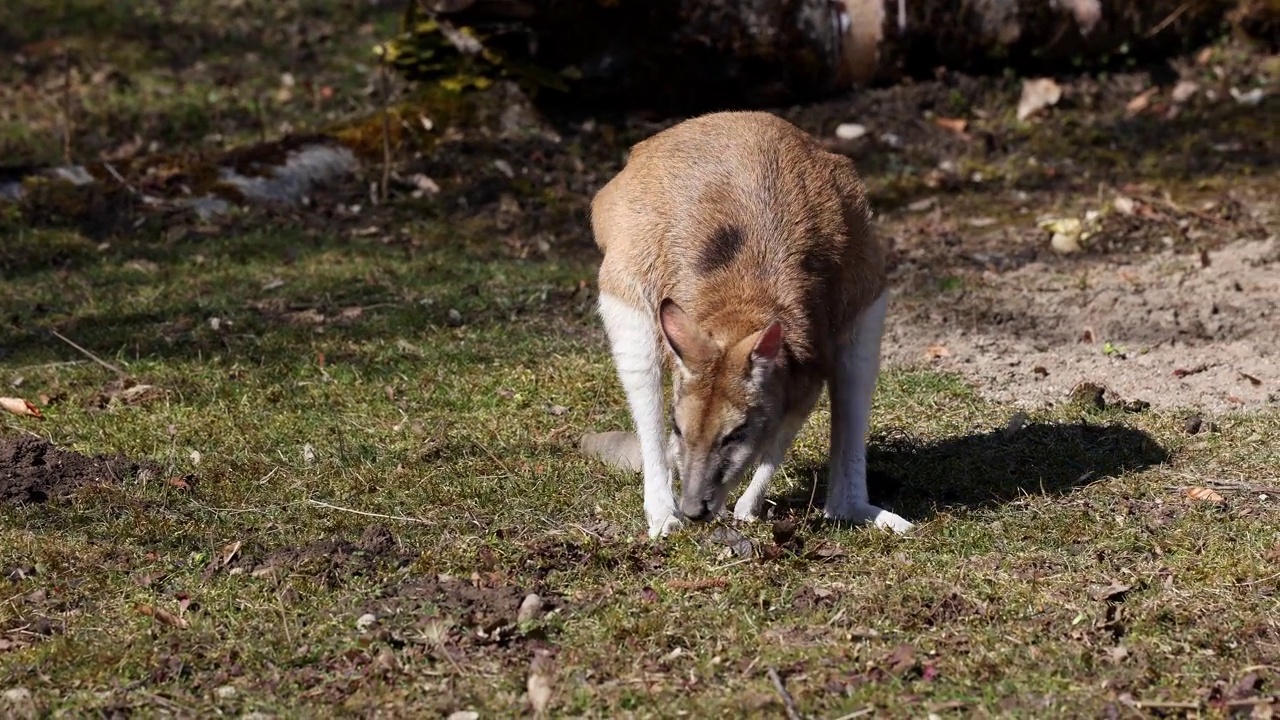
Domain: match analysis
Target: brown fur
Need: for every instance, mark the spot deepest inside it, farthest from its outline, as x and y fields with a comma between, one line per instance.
x=740, y=219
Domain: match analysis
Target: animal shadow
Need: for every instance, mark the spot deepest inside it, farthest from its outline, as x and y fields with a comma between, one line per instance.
x=916, y=479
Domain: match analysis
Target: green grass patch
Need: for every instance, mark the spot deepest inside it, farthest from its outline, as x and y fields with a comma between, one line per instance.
x=377, y=440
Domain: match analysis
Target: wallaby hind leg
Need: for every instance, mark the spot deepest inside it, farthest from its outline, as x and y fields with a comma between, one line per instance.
x=851, y=389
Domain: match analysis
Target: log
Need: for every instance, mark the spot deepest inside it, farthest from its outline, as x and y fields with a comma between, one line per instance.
x=685, y=56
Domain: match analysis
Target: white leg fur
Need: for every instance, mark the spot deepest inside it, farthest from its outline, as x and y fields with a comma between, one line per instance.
x=851, y=389
x=751, y=504
x=637, y=356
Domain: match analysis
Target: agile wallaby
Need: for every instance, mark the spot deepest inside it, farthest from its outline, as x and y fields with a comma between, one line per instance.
x=740, y=252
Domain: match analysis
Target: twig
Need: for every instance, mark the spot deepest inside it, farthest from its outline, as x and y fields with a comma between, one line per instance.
x=368, y=514
x=1166, y=705
x=120, y=179
x=90, y=355
x=788, y=702
x=1169, y=20
x=66, y=105
x=386, y=134
x=858, y=713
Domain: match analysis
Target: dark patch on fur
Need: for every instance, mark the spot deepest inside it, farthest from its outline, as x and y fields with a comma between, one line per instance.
x=722, y=247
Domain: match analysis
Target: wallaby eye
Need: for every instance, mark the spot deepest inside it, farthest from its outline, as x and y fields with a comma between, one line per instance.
x=737, y=435
x=675, y=428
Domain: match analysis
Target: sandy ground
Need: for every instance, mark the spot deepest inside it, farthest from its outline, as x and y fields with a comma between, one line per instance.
x=1165, y=330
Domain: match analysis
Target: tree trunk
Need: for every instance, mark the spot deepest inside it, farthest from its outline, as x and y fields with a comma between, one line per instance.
x=694, y=55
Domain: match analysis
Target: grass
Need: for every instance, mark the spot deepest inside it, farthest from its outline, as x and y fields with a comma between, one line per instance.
x=453, y=427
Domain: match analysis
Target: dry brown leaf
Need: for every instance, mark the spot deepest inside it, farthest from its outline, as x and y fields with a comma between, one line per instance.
x=1273, y=554
x=699, y=584
x=1140, y=102
x=955, y=125
x=161, y=615
x=21, y=406
x=1037, y=94
x=1204, y=494
x=937, y=351
x=182, y=482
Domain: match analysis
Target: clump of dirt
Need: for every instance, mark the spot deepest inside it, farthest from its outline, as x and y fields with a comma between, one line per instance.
x=330, y=561
x=33, y=470
x=449, y=616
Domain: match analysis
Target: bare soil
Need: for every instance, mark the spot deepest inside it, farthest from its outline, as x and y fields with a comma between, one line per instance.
x=32, y=470
x=1166, y=329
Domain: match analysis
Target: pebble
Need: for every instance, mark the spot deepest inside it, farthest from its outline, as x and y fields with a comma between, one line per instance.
x=850, y=131
x=530, y=608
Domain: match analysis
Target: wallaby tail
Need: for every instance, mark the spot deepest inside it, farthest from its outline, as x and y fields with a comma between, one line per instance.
x=618, y=449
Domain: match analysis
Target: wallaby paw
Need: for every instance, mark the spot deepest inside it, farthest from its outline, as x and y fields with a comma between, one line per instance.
x=871, y=514
x=662, y=524
x=747, y=511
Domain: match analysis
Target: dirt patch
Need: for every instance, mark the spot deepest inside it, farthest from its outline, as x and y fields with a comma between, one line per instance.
x=1169, y=330
x=483, y=619
x=32, y=470
x=330, y=561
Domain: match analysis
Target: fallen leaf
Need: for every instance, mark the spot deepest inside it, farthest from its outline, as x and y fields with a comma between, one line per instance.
x=1140, y=102
x=784, y=531
x=1184, y=90
x=1206, y=495
x=161, y=615
x=955, y=125
x=182, y=482
x=1273, y=554
x=1037, y=94
x=937, y=351
x=1114, y=592
x=1192, y=424
x=1183, y=372
x=902, y=660
x=20, y=406
x=736, y=542
x=1040, y=370
x=648, y=594
x=699, y=584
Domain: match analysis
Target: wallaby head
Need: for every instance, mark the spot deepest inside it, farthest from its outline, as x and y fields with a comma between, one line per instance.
x=727, y=393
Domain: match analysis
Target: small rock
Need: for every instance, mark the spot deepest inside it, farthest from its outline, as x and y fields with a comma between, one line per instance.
x=850, y=131
x=365, y=620
x=454, y=318
x=465, y=715
x=1065, y=244
x=530, y=608
x=225, y=692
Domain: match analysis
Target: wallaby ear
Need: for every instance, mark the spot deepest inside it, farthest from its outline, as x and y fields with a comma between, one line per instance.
x=769, y=344
x=682, y=334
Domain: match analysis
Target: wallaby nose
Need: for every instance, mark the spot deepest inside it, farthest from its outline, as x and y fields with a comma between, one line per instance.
x=695, y=510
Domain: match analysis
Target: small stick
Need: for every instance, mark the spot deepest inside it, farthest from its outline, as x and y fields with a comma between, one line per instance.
x=368, y=514
x=122, y=374
x=66, y=105
x=788, y=702
x=858, y=713
x=386, y=133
